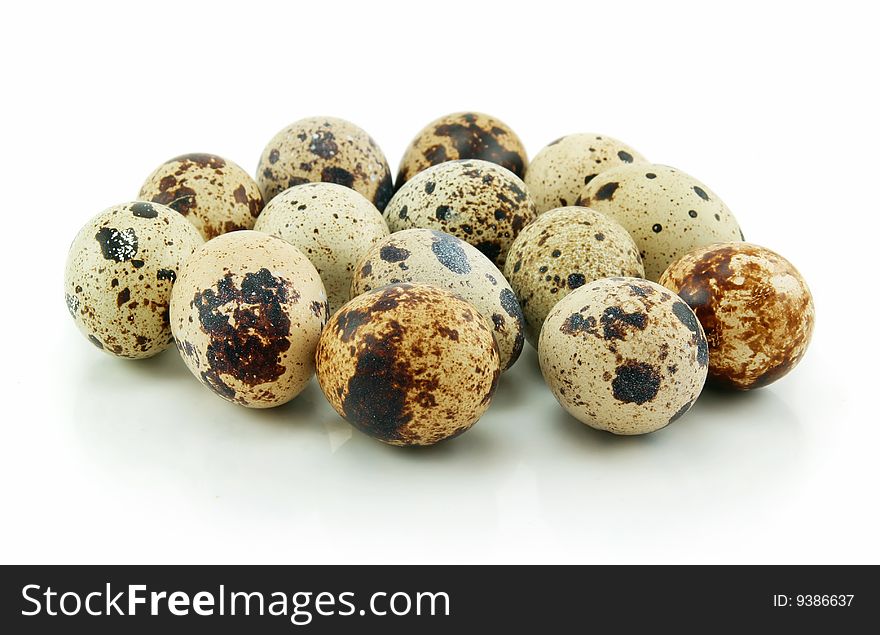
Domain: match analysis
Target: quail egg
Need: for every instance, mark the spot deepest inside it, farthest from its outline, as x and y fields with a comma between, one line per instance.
x=331, y=224
x=119, y=274
x=560, y=171
x=408, y=364
x=435, y=258
x=479, y=202
x=325, y=149
x=754, y=305
x=623, y=355
x=666, y=211
x=561, y=251
x=463, y=135
x=246, y=311
x=212, y=193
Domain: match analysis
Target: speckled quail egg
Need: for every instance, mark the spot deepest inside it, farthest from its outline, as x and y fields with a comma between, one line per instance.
x=325, y=149
x=623, y=355
x=560, y=171
x=482, y=203
x=441, y=260
x=332, y=225
x=561, y=251
x=246, y=311
x=754, y=305
x=463, y=135
x=119, y=274
x=408, y=364
x=666, y=211
x=214, y=194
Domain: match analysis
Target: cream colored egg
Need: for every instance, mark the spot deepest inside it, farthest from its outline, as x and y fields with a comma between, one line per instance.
x=246, y=312
x=408, y=364
x=119, y=273
x=334, y=226
x=666, y=211
x=560, y=171
x=432, y=257
x=214, y=194
x=623, y=355
x=561, y=251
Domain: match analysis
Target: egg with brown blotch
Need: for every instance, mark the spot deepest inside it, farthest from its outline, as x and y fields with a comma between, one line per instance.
x=246, y=312
x=408, y=364
x=755, y=306
x=119, y=273
x=624, y=355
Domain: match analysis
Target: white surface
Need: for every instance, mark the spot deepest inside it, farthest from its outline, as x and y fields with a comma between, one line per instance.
x=105, y=460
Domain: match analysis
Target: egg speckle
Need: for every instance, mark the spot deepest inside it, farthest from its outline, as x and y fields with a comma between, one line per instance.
x=408, y=364
x=623, y=355
x=246, y=312
x=560, y=171
x=754, y=305
x=561, y=251
x=325, y=149
x=666, y=211
x=119, y=273
x=432, y=257
x=479, y=202
x=332, y=225
x=214, y=194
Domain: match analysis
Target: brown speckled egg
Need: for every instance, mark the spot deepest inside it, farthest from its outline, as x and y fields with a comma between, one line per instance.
x=325, y=149
x=560, y=171
x=332, y=225
x=463, y=135
x=754, y=305
x=119, y=274
x=666, y=211
x=623, y=355
x=441, y=260
x=212, y=193
x=246, y=311
x=408, y=364
x=563, y=250
x=482, y=203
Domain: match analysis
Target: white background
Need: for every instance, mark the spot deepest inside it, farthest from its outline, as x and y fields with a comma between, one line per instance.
x=103, y=460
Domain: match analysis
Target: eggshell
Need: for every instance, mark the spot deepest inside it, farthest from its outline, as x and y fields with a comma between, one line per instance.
x=755, y=306
x=119, y=273
x=334, y=226
x=463, y=135
x=441, y=260
x=479, y=202
x=325, y=149
x=666, y=211
x=246, y=312
x=563, y=250
x=623, y=355
x=212, y=193
x=408, y=364
x=560, y=170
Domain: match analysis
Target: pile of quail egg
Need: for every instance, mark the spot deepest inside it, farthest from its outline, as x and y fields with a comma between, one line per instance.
x=410, y=297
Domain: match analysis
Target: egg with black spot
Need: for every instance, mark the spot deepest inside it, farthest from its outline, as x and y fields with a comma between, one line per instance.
x=119, y=273
x=432, y=257
x=479, y=202
x=408, y=364
x=666, y=211
x=329, y=150
x=463, y=135
x=560, y=170
x=214, y=194
x=624, y=355
x=246, y=312
x=561, y=251
x=333, y=225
